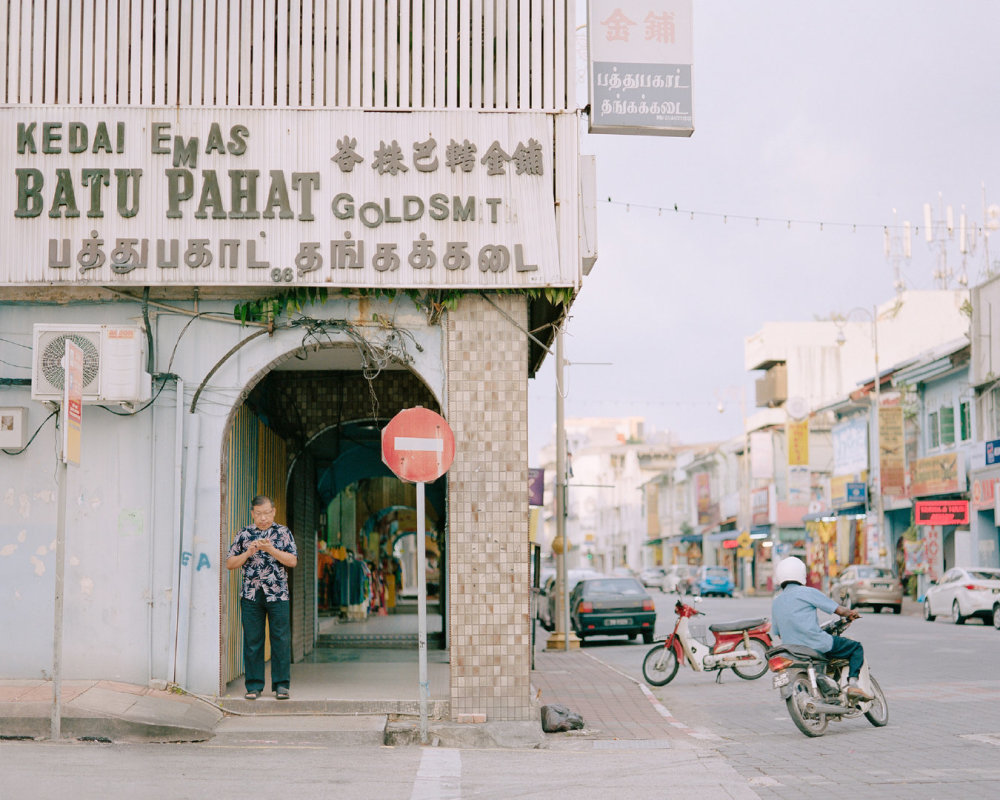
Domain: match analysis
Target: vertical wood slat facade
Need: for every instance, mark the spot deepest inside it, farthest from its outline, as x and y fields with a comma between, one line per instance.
x=510, y=55
x=257, y=464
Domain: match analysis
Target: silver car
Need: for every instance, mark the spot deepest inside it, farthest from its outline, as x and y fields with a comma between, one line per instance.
x=868, y=585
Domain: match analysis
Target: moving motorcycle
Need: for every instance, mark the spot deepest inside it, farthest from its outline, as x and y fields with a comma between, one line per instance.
x=740, y=645
x=815, y=689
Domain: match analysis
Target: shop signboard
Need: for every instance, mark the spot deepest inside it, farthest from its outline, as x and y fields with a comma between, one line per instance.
x=639, y=64
x=993, y=452
x=850, y=446
x=891, y=444
x=941, y=512
x=281, y=198
x=933, y=551
x=760, y=506
x=984, y=491
x=856, y=493
x=934, y=475
x=840, y=494
x=536, y=486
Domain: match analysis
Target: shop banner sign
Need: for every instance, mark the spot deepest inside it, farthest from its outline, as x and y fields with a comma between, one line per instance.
x=280, y=198
x=850, y=446
x=892, y=461
x=536, y=486
x=639, y=64
x=984, y=493
x=760, y=506
x=941, y=512
x=934, y=475
x=798, y=443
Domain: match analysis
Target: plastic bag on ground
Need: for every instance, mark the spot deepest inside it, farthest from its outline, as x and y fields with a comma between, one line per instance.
x=557, y=718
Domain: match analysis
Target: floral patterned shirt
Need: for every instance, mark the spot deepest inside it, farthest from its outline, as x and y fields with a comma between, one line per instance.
x=262, y=571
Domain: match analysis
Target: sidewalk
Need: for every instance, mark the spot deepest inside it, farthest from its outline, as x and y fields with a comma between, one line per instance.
x=612, y=705
x=356, y=697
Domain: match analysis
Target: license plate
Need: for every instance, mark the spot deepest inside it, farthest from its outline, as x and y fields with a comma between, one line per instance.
x=781, y=679
x=882, y=585
x=621, y=621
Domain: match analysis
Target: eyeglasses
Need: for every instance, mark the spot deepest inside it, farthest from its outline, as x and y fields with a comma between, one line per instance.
x=262, y=512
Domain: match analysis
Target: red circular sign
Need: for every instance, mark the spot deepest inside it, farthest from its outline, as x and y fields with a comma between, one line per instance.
x=418, y=445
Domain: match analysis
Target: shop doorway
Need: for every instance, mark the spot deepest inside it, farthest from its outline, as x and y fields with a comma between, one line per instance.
x=310, y=439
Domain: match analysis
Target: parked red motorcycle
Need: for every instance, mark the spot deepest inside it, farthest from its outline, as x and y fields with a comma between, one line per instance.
x=740, y=645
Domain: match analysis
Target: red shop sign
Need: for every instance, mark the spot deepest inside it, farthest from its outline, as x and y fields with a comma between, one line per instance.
x=942, y=512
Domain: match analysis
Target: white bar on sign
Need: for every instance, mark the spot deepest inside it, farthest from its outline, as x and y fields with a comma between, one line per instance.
x=414, y=443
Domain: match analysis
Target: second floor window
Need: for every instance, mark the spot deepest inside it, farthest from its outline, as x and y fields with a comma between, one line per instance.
x=947, y=420
x=965, y=421
x=933, y=432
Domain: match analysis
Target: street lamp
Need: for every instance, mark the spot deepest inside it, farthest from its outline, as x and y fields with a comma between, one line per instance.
x=876, y=407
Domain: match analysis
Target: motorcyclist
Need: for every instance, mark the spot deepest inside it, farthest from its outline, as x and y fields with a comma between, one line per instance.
x=793, y=618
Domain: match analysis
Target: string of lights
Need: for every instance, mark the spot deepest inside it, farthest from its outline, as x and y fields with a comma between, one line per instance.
x=788, y=222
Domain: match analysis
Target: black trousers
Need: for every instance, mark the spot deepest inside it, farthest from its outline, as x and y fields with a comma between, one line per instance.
x=850, y=650
x=254, y=613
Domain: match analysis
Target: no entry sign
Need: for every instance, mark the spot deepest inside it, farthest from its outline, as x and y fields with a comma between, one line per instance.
x=418, y=445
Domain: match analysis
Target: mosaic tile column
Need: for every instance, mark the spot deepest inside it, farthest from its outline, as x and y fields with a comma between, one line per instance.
x=488, y=510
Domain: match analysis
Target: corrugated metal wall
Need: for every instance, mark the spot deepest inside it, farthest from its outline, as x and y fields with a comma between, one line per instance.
x=257, y=463
x=474, y=54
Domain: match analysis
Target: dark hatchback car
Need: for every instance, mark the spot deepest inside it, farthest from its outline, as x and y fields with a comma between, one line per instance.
x=612, y=607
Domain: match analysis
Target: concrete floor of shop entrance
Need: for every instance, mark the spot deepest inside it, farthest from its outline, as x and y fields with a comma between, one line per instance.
x=364, y=673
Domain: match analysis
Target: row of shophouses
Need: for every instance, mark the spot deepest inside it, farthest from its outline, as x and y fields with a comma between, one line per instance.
x=818, y=472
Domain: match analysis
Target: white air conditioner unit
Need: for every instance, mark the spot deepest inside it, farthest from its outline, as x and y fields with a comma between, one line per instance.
x=114, y=363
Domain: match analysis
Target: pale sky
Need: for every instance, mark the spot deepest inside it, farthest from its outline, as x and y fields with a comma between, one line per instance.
x=810, y=112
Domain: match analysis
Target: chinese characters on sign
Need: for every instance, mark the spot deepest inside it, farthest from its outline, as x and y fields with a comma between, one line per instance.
x=224, y=196
x=640, y=67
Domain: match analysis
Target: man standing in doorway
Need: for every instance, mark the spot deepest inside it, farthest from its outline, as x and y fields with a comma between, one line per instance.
x=264, y=549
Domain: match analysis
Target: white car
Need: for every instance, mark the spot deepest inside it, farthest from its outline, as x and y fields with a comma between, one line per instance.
x=965, y=592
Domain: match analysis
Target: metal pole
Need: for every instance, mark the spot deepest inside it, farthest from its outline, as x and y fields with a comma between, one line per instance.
x=877, y=467
x=422, y=611
x=563, y=611
x=57, y=636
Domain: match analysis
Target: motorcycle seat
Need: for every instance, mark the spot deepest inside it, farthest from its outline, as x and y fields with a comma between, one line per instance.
x=736, y=625
x=805, y=652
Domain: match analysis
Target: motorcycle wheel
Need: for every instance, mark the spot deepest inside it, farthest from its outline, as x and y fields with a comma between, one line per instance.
x=878, y=712
x=751, y=669
x=660, y=665
x=809, y=724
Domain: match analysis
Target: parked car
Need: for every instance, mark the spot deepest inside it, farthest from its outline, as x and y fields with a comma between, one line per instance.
x=547, y=596
x=868, y=585
x=965, y=592
x=652, y=577
x=713, y=581
x=680, y=578
x=612, y=607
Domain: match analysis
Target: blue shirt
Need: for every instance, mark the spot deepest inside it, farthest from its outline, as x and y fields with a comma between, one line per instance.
x=793, y=616
x=261, y=570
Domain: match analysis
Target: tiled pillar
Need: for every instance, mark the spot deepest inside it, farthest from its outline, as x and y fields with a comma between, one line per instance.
x=488, y=509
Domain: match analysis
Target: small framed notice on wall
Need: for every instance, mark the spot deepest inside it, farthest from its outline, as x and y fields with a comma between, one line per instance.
x=13, y=421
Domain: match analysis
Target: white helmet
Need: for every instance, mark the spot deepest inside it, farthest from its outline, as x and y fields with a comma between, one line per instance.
x=790, y=569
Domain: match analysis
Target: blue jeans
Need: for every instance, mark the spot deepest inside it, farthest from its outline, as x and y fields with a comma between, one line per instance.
x=254, y=613
x=844, y=648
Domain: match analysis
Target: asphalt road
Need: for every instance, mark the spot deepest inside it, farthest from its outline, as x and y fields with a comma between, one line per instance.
x=941, y=682
x=734, y=741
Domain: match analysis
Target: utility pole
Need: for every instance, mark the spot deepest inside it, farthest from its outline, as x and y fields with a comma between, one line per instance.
x=562, y=637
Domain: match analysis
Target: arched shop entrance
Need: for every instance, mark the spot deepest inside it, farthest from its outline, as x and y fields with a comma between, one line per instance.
x=308, y=435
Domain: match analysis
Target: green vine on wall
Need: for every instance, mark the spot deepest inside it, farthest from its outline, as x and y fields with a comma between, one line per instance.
x=433, y=302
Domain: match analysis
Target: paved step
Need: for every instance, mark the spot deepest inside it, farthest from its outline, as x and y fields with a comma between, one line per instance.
x=270, y=707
